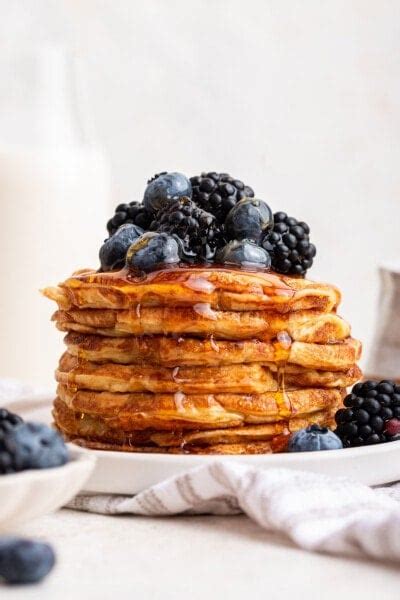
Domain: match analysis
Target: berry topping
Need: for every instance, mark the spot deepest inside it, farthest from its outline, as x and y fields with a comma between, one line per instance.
x=31, y=446
x=156, y=176
x=24, y=561
x=197, y=229
x=164, y=188
x=392, y=428
x=314, y=438
x=113, y=252
x=371, y=414
x=133, y=213
x=249, y=219
x=8, y=420
x=153, y=250
x=218, y=193
x=245, y=253
x=289, y=245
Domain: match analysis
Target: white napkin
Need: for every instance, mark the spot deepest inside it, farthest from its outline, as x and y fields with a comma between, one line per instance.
x=318, y=513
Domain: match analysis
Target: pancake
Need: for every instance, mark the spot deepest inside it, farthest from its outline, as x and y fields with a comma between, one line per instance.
x=94, y=432
x=202, y=360
x=201, y=320
x=170, y=412
x=186, y=351
x=241, y=378
x=222, y=288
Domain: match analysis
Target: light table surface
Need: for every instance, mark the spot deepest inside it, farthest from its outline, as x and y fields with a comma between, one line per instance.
x=105, y=558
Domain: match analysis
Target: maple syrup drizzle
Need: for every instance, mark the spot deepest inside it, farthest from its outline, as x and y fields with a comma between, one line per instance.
x=199, y=278
x=196, y=277
x=282, y=346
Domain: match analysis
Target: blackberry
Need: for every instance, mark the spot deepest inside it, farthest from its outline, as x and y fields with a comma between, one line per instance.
x=156, y=176
x=371, y=414
x=289, y=245
x=134, y=212
x=218, y=193
x=198, y=231
x=8, y=420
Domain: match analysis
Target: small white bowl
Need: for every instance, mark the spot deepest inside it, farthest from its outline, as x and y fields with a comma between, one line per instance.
x=34, y=493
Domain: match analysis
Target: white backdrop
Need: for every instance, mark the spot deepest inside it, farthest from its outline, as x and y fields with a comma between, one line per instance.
x=299, y=98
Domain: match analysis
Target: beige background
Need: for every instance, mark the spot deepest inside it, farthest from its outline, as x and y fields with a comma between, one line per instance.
x=299, y=98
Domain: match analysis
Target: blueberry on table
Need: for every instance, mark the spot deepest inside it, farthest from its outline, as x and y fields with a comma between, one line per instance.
x=153, y=250
x=113, y=252
x=314, y=438
x=31, y=446
x=24, y=561
x=164, y=188
x=250, y=218
x=244, y=253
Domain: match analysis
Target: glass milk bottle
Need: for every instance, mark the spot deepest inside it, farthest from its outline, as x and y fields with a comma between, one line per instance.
x=54, y=200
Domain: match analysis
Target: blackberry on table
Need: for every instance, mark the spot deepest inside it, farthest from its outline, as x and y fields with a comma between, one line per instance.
x=371, y=414
x=289, y=245
x=198, y=231
x=217, y=193
x=134, y=212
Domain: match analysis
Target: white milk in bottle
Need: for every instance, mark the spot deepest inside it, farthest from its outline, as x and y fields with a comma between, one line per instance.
x=54, y=201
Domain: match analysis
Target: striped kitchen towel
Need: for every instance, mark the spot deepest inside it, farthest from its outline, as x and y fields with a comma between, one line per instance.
x=316, y=512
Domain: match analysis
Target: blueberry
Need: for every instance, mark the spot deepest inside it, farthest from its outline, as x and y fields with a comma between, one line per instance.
x=24, y=561
x=152, y=250
x=245, y=253
x=32, y=446
x=249, y=219
x=314, y=438
x=113, y=251
x=164, y=188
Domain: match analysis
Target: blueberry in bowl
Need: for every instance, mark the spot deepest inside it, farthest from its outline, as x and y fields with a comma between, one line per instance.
x=113, y=252
x=153, y=250
x=8, y=420
x=312, y=438
x=31, y=446
x=244, y=253
x=250, y=219
x=164, y=188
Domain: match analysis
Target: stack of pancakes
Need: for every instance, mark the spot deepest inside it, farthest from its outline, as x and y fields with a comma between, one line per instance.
x=199, y=360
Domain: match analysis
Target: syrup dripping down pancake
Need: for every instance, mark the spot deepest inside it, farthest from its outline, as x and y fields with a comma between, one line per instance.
x=188, y=351
x=200, y=320
x=222, y=288
x=241, y=378
x=92, y=431
x=138, y=411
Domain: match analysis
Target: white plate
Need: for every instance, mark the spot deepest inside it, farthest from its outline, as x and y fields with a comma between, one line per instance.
x=125, y=473
x=34, y=493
